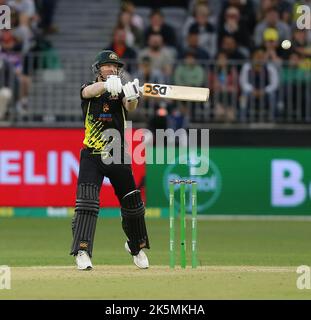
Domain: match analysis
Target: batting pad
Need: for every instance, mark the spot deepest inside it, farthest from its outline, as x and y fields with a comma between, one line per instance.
x=85, y=218
x=133, y=221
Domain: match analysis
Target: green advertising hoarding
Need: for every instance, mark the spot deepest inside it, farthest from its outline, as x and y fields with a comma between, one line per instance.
x=241, y=181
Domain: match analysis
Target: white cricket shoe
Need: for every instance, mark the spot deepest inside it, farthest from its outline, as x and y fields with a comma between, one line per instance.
x=140, y=259
x=83, y=260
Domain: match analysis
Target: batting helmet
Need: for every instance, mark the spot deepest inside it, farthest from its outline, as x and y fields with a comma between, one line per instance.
x=105, y=57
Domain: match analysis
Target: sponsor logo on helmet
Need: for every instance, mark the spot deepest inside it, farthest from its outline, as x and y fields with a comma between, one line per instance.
x=113, y=56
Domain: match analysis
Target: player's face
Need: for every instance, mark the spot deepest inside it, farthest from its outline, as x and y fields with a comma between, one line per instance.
x=108, y=70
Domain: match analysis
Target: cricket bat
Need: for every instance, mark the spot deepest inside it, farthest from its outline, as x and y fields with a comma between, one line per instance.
x=165, y=91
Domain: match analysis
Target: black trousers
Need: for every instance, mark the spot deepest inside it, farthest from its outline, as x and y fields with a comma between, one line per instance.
x=91, y=174
x=93, y=170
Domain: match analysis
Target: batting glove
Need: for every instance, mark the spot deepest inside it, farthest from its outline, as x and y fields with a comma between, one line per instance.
x=113, y=85
x=131, y=90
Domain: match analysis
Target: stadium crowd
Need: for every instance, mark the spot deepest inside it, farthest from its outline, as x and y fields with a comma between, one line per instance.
x=31, y=21
x=237, y=48
x=250, y=53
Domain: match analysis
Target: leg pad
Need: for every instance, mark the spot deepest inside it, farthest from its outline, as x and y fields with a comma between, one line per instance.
x=133, y=221
x=85, y=218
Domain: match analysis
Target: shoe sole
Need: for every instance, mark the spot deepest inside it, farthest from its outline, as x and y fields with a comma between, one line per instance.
x=86, y=269
x=140, y=267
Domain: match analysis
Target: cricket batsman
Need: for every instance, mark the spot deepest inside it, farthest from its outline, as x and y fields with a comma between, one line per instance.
x=105, y=103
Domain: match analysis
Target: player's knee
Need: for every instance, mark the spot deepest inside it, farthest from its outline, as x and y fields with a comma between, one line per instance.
x=132, y=204
x=87, y=198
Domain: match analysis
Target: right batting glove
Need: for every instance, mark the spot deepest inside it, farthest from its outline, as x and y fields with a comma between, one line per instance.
x=131, y=90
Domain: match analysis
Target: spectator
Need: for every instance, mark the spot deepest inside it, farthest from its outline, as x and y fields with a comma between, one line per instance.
x=205, y=30
x=9, y=41
x=193, y=44
x=230, y=47
x=213, y=6
x=23, y=7
x=11, y=48
x=22, y=32
x=136, y=20
x=296, y=82
x=158, y=25
x=16, y=44
x=146, y=73
x=46, y=9
x=162, y=57
x=259, y=82
x=282, y=6
x=271, y=45
x=223, y=82
x=233, y=27
x=5, y=98
x=263, y=7
x=134, y=37
x=189, y=73
x=301, y=44
x=272, y=20
x=7, y=83
x=120, y=47
x=285, y=9
x=247, y=13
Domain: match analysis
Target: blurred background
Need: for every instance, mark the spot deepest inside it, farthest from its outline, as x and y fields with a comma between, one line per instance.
x=259, y=110
x=231, y=46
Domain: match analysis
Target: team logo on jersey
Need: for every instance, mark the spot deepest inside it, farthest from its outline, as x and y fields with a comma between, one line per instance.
x=105, y=107
x=113, y=56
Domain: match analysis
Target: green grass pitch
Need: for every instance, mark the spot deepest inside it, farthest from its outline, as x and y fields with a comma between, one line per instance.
x=237, y=260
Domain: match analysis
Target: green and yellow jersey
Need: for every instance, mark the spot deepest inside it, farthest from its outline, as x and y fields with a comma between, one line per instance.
x=101, y=113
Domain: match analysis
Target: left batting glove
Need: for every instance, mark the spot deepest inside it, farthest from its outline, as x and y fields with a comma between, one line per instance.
x=113, y=85
x=131, y=90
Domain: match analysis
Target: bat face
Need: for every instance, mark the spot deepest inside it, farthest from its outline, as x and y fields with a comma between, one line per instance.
x=175, y=92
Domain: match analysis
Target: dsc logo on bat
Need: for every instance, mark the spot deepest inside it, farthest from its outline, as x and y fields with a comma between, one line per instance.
x=155, y=89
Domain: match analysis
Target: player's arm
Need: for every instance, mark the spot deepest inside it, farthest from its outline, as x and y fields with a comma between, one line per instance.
x=93, y=90
x=112, y=85
x=131, y=95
